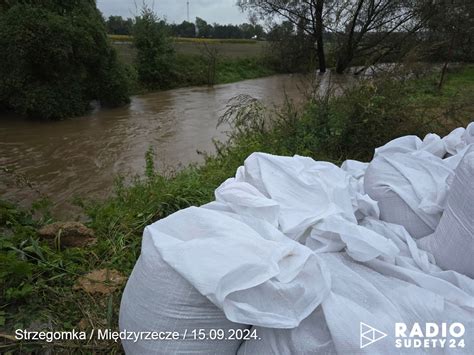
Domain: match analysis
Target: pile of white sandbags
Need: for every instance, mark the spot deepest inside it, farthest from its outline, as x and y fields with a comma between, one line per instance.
x=304, y=251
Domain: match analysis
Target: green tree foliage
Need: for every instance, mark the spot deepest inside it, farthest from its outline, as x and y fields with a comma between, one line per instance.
x=155, y=53
x=185, y=29
x=450, y=31
x=203, y=28
x=55, y=59
x=252, y=31
x=117, y=25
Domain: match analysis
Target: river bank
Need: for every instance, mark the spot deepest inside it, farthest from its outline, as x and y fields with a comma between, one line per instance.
x=41, y=280
x=204, y=63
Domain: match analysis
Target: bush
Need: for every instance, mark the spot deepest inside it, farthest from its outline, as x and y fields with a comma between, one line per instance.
x=336, y=128
x=56, y=58
x=155, y=51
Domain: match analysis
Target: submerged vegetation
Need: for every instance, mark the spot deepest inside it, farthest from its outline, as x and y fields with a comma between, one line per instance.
x=37, y=279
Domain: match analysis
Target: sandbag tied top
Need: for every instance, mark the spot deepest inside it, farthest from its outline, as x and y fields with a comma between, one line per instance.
x=244, y=265
x=452, y=244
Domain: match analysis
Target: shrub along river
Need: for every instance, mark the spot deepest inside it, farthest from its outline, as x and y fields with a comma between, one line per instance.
x=82, y=156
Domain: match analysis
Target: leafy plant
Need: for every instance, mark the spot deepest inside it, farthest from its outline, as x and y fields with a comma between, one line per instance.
x=56, y=58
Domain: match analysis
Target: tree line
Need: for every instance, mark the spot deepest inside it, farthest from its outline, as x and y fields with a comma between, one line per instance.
x=117, y=25
x=373, y=29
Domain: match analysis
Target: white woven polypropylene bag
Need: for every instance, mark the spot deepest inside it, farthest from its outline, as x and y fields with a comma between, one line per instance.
x=158, y=299
x=452, y=244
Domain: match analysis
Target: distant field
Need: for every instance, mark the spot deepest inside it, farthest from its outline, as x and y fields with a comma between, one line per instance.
x=124, y=38
x=230, y=48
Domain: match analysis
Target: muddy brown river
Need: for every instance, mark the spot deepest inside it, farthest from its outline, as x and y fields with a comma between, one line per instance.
x=82, y=156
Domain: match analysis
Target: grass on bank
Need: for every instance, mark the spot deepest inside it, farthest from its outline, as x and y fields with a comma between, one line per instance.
x=36, y=280
x=192, y=68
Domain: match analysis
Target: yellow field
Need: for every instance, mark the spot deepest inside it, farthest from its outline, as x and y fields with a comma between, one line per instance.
x=122, y=38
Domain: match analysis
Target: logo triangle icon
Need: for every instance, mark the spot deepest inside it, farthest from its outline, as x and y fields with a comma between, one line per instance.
x=369, y=335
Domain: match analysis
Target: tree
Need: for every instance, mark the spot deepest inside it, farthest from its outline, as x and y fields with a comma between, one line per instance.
x=290, y=50
x=203, y=28
x=116, y=25
x=155, y=53
x=249, y=30
x=371, y=28
x=55, y=59
x=362, y=28
x=185, y=29
x=226, y=31
x=306, y=15
x=210, y=54
x=450, y=32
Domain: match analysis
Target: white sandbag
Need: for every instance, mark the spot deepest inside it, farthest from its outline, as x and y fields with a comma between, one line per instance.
x=433, y=144
x=418, y=267
x=453, y=161
x=362, y=204
x=244, y=265
x=468, y=135
x=312, y=336
x=361, y=293
x=244, y=199
x=410, y=189
x=158, y=299
x=306, y=191
x=452, y=244
x=405, y=144
x=318, y=204
x=335, y=234
x=356, y=169
x=454, y=141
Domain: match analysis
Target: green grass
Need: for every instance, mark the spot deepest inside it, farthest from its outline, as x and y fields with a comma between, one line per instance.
x=453, y=104
x=36, y=280
x=229, y=71
x=226, y=50
x=235, y=62
x=193, y=70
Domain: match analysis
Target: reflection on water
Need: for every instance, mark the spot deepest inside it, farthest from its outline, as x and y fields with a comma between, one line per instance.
x=81, y=156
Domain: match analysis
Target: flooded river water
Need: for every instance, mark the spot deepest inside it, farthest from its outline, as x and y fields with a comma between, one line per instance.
x=82, y=156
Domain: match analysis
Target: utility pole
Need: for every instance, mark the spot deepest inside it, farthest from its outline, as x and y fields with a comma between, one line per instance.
x=187, y=3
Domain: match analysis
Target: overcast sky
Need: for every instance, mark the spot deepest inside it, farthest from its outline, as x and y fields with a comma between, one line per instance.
x=220, y=11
